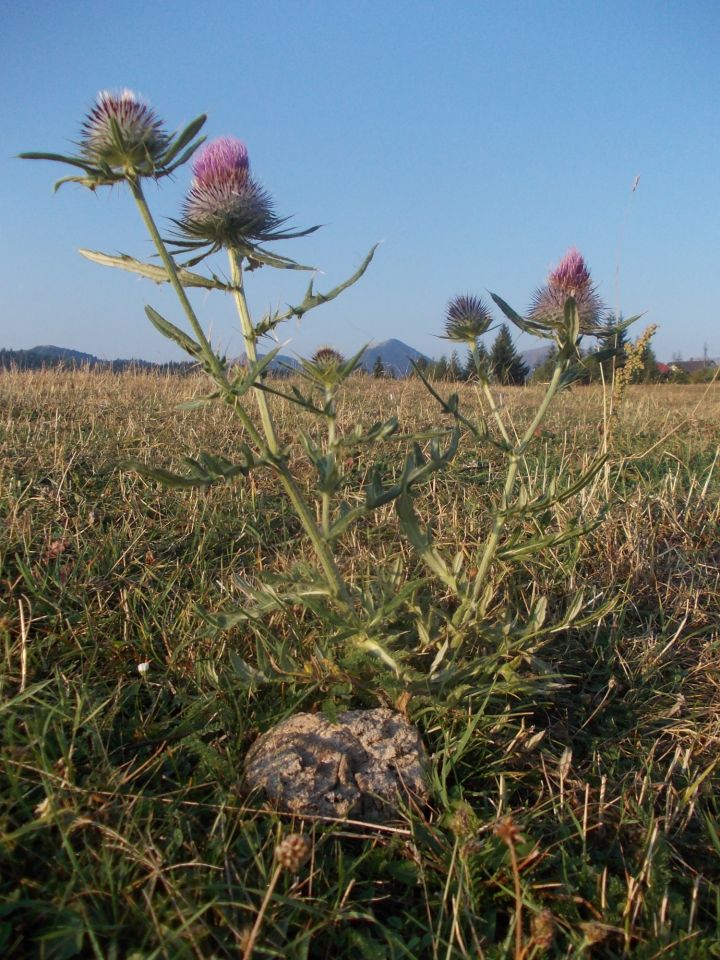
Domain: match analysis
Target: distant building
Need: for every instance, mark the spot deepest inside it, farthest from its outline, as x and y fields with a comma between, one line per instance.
x=690, y=366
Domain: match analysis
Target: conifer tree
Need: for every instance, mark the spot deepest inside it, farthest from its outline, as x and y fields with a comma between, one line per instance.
x=440, y=372
x=455, y=370
x=506, y=365
x=378, y=368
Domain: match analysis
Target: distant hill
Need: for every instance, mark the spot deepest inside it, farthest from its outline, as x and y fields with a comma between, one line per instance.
x=48, y=355
x=394, y=354
x=534, y=357
x=60, y=355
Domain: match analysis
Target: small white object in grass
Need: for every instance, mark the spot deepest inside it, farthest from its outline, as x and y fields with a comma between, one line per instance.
x=143, y=667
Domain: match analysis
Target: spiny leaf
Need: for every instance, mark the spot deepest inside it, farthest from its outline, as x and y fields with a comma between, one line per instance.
x=154, y=272
x=172, y=332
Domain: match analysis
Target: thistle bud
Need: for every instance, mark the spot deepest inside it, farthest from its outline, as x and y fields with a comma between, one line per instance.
x=121, y=131
x=292, y=851
x=467, y=318
x=327, y=367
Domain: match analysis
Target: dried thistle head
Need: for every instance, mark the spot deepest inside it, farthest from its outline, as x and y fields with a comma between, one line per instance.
x=596, y=932
x=122, y=132
x=463, y=821
x=570, y=278
x=466, y=318
x=292, y=851
x=543, y=929
x=508, y=831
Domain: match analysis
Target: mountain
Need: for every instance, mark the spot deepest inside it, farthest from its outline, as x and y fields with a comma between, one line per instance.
x=534, y=357
x=60, y=355
x=394, y=354
x=49, y=355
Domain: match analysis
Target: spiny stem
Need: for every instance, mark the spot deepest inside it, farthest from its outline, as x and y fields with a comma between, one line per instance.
x=248, y=333
x=330, y=452
x=482, y=376
x=171, y=268
x=515, y=456
x=302, y=509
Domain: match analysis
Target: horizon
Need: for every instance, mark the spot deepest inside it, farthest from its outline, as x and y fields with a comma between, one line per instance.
x=372, y=347
x=477, y=174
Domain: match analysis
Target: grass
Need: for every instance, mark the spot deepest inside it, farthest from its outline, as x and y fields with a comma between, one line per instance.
x=585, y=808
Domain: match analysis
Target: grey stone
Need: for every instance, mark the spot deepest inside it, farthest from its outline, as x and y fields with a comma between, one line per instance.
x=361, y=767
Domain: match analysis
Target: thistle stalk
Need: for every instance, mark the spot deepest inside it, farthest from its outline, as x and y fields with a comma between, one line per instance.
x=334, y=578
x=516, y=456
x=169, y=264
x=488, y=393
x=248, y=334
x=330, y=413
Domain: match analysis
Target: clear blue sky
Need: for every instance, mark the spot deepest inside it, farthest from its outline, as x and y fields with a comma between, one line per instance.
x=477, y=139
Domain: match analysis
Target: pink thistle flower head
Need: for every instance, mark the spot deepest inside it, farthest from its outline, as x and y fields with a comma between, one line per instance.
x=225, y=206
x=122, y=131
x=221, y=159
x=570, y=278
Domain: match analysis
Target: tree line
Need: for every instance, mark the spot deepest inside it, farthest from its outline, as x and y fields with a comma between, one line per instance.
x=503, y=364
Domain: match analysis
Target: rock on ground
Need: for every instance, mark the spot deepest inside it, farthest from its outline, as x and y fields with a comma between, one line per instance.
x=362, y=766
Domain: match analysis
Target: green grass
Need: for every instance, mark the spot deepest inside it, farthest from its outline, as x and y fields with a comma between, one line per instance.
x=124, y=830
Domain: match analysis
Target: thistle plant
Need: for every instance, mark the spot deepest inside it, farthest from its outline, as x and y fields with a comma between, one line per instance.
x=564, y=310
x=124, y=142
x=421, y=644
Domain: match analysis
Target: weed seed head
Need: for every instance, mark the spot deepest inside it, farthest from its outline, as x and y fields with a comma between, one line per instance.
x=467, y=318
x=570, y=278
x=462, y=821
x=543, y=929
x=292, y=851
x=122, y=132
x=508, y=831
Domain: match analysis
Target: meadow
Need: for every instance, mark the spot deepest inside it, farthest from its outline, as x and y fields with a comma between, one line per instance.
x=574, y=799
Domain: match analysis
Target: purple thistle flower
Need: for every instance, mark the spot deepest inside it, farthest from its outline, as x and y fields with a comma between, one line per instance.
x=123, y=131
x=467, y=318
x=570, y=278
x=571, y=275
x=220, y=160
x=225, y=206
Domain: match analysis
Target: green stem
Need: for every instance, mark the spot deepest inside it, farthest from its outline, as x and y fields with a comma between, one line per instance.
x=482, y=376
x=302, y=509
x=171, y=269
x=330, y=452
x=516, y=455
x=324, y=555
x=248, y=332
